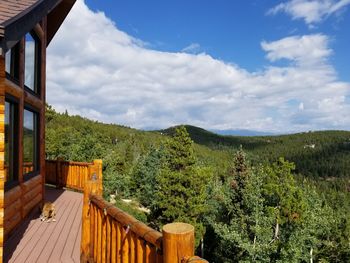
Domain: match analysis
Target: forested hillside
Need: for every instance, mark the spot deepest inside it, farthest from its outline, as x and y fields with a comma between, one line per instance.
x=247, y=202
x=316, y=154
x=122, y=148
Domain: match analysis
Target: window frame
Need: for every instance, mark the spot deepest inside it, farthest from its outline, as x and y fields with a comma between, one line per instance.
x=36, y=144
x=15, y=153
x=36, y=90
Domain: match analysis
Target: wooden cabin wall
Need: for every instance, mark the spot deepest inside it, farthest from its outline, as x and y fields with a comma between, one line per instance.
x=20, y=200
x=17, y=202
x=2, y=151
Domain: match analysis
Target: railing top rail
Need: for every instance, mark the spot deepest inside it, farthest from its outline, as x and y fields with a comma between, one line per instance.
x=71, y=162
x=77, y=163
x=140, y=229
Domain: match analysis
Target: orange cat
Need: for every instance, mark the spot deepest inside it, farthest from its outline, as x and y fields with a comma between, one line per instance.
x=48, y=212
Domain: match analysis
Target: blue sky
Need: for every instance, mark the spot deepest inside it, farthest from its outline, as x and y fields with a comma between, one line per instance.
x=226, y=29
x=279, y=66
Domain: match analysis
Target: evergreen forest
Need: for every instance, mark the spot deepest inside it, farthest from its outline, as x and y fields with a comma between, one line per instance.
x=251, y=199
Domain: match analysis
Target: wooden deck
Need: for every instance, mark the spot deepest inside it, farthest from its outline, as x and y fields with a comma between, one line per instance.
x=36, y=241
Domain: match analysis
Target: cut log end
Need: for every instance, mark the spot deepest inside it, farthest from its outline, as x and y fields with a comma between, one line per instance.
x=178, y=228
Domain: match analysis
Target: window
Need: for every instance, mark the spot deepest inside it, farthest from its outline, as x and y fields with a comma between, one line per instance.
x=32, y=62
x=30, y=142
x=11, y=142
x=12, y=63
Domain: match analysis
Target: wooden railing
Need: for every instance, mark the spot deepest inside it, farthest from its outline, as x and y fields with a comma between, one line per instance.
x=71, y=174
x=28, y=167
x=118, y=237
x=111, y=235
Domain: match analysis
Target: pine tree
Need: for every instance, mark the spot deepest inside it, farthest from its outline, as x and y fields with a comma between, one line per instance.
x=144, y=176
x=181, y=185
x=242, y=227
x=179, y=149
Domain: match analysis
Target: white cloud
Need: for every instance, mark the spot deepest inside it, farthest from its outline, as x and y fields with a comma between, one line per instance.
x=110, y=76
x=305, y=50
x=301, y=106
x=311, y=11
x=192, y=48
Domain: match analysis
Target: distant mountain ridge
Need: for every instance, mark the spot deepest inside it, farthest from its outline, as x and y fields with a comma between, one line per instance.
x=243, y=132
x=228, y=132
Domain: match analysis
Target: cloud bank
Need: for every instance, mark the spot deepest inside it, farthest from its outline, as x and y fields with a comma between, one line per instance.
x=107, y=75
x=311, y=11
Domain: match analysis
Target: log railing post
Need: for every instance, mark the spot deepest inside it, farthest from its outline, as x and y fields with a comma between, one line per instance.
x=92, y=186
x=178, y=242
x=97, y=170
x=98, y=167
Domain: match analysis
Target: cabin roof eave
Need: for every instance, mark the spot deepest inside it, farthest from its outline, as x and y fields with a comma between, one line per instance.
x=15, y=27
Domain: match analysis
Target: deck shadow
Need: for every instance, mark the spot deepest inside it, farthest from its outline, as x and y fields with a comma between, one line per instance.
x=15, y=237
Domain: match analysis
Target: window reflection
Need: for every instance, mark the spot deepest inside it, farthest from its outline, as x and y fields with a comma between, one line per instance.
x=32, y=65
x=30, y=147
x=12, y=62
x=29, y=76
x=8, y=62
x=10, y=142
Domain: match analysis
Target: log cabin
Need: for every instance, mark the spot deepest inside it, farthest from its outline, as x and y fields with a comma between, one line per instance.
x=26, y=29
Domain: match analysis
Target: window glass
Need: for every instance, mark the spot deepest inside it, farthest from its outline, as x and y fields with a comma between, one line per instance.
x=30, y=142
x=29, y=76
x=12, y=62
x=8, y=62
x=10, y=142
x=31, y=70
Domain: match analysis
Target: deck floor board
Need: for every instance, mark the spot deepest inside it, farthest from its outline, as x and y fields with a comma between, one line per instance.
x=68, y=250
x=36, y=241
